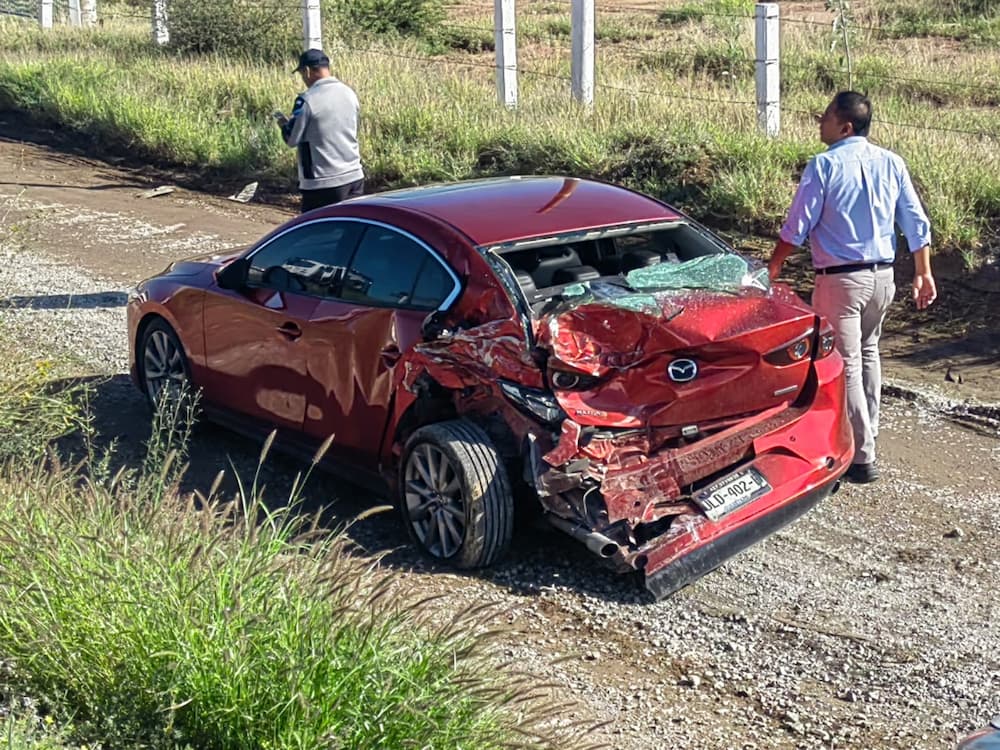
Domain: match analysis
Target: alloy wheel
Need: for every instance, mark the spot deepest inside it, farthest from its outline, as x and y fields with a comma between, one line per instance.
x=163, y=367
x=435, y=504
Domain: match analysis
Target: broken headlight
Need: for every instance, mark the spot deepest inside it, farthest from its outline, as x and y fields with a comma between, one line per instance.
x=539, y=404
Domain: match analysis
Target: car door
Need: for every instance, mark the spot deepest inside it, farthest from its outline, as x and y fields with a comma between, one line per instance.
x=253, y=336
x=392, y=283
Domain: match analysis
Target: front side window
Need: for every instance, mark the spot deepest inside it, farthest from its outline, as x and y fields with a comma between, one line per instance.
x=310, y=259
x=390, y=269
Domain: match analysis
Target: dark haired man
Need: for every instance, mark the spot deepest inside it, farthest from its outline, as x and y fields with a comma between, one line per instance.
x=848, y=201
x=324, y=127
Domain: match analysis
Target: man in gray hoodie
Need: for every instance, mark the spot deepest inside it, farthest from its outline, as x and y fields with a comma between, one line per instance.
x=324, y=128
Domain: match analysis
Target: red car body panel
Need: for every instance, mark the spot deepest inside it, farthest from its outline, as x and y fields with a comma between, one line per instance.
x=628, y=450
x=484, y=210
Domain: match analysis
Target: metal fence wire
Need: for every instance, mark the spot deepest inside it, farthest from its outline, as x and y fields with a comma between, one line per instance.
x=20, y=8
x=31, y=9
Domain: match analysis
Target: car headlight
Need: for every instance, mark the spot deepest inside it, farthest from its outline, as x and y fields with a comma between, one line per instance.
x=137, y=294
x=539, y=404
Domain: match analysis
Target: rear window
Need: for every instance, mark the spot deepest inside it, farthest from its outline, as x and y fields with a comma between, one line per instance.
x=616, y=252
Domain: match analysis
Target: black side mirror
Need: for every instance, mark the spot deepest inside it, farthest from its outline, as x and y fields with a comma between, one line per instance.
x=234, y=275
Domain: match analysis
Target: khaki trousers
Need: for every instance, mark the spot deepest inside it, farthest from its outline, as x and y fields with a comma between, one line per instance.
x=855, y=303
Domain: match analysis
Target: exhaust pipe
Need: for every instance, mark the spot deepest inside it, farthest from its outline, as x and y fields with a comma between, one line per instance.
x=596, y=542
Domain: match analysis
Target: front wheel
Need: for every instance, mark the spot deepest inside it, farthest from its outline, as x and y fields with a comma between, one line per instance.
x=165, y=371
x=454, y=494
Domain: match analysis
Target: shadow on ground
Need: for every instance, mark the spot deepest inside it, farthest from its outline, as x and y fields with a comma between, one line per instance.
x=87, y=301
x=540, y=558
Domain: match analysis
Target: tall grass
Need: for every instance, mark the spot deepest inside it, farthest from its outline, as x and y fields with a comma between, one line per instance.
x=32, y=412
x=22, y=731
x=232, y=625
x=149, y=619
x=436, y=118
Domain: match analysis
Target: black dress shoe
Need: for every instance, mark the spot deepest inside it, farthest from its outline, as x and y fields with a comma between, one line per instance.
x=862, y=473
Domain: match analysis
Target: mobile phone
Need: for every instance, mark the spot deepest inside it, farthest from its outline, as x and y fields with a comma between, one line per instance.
x=279, y=116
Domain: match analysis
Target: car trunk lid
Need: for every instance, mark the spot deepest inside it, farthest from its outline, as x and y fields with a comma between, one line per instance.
x=679, y=345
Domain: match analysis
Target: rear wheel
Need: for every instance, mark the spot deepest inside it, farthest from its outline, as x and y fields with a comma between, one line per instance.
x=165, y=370
x=454, y=494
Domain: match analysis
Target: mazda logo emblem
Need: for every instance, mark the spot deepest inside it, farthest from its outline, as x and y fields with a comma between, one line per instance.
x=682, y=370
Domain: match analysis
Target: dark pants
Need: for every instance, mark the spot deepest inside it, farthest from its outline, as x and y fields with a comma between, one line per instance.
x=328, y=196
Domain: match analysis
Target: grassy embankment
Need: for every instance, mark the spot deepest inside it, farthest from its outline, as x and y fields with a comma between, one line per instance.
x=439, y=120
x=136, y=617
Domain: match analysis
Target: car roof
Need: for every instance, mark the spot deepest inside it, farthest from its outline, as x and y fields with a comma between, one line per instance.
x=501, y=210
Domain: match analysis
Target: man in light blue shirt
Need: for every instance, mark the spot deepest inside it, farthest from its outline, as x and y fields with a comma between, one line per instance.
x=848, y=202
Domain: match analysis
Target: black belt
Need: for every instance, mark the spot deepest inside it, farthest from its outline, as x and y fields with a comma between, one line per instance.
x=848, y=268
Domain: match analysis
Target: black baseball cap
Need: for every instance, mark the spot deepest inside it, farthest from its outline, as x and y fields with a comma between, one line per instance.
x=313, y=58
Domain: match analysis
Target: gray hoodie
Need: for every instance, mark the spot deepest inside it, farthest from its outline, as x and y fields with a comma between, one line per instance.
x=324, y=126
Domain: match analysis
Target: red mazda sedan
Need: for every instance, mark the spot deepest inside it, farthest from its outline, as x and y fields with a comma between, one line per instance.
x=573, y=342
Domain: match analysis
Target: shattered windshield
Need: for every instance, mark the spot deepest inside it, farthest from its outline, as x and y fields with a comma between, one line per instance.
x=725, y=272
x=652, y=289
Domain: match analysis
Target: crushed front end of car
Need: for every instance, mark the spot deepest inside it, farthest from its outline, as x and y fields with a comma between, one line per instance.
x=668, y=417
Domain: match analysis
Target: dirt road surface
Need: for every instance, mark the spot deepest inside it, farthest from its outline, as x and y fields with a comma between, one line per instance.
x=870, y=623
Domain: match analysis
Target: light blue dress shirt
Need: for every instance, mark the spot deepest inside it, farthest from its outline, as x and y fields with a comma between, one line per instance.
x=848, y=200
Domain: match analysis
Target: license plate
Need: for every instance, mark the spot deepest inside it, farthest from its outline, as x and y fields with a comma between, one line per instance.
x=732, y=492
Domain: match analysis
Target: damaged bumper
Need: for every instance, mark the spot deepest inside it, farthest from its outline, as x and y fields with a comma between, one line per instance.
x=671, y=564
x=660, y=510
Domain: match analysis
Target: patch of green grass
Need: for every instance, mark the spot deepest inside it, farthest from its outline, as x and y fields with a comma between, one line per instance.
x=709, y=9
x=33, y=413
x=162, y=621
x=23, y=732
x=973, y=21
x=721, y=62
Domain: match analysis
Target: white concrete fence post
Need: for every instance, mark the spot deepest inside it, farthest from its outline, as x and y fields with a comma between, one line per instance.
x=45, y=14
x=505, y=36
x=582, y=65
x=89, y=12
x=74, y=13
x=312, y=25
x=768, y=69
x=161, y=30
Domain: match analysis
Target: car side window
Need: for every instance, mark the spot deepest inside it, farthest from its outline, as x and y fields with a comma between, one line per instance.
x=310, y=259
x=391, y=269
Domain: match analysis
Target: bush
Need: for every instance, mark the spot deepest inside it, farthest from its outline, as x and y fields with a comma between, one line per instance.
x=407, y=17
x=238, y=28
x=273, y=31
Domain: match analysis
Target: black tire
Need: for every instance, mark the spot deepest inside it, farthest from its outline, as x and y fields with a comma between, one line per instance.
x=487, y=504
x=155, y=337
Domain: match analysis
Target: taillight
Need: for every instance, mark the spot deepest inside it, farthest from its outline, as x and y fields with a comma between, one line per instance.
x=789, y=354
x=565, y=380
x=827, y=342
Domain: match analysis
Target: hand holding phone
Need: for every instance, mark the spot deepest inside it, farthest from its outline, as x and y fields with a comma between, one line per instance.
x=280, y=117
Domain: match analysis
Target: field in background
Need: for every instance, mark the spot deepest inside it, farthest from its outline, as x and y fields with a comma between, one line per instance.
x=673, y=114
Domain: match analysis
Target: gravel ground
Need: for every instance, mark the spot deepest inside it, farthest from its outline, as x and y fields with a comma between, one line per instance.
x=870, y=623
